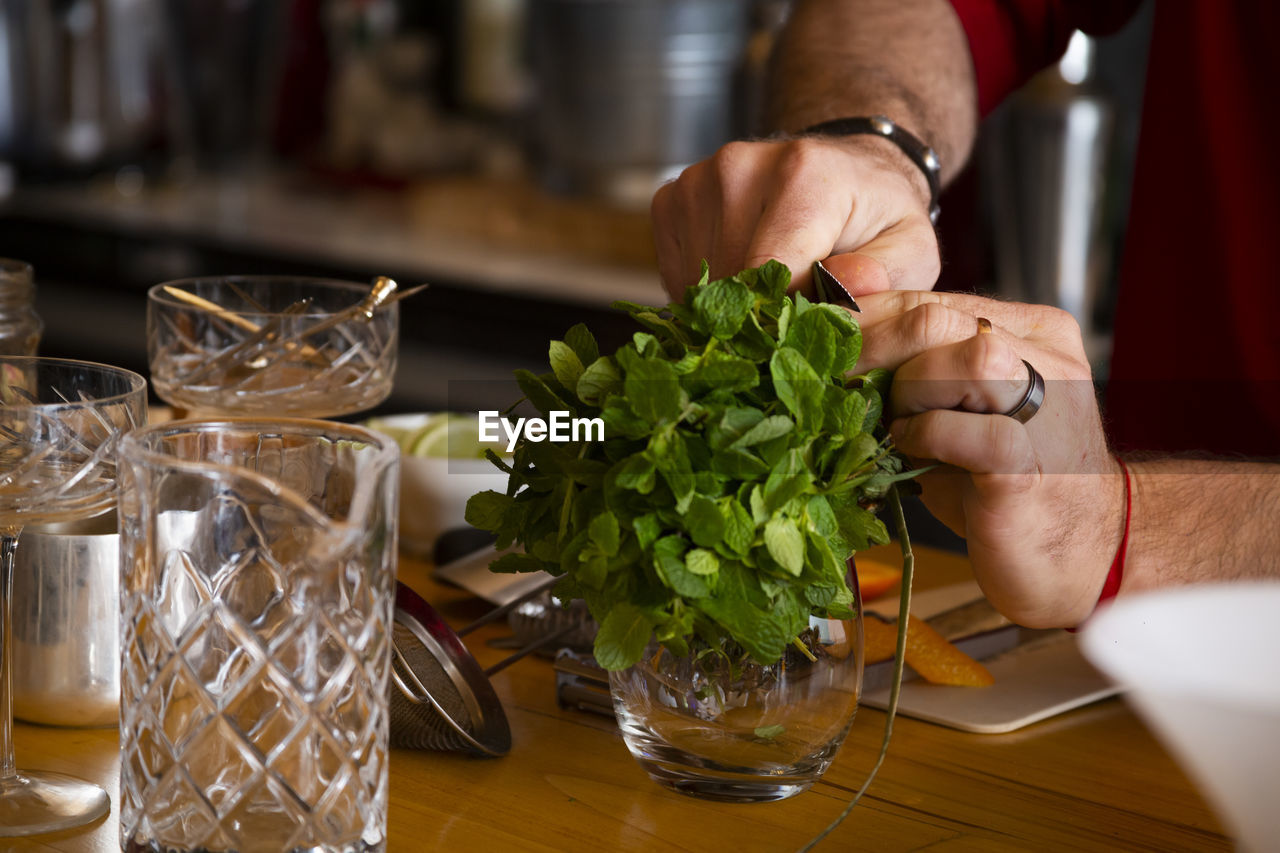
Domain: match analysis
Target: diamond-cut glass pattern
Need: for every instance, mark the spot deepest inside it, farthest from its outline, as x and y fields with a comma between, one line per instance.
x=255, y=662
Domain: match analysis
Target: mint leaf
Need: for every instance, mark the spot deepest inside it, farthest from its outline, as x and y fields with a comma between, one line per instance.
x=604, y=533
x=722, y=306
x=668, y=559
x=785, y=544
x=583, y=343
x=487, y=509
x=636, y=472
x=702, y=562
x=739, y=528
x=622, y=637
x=565, y=364
x=772, y=280
x=789, y=479
x=648, y=528
x=654, y=391
x=704, y=521
x=600, y=378
x=797, y=386
x=516, y=562
x=733, y=423
x=766, y=430
x=848, y=338
x=721, y=371
x=540, y=394
x=813, y=336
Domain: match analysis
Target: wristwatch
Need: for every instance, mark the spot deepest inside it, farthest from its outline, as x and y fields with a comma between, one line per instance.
x=919, y=153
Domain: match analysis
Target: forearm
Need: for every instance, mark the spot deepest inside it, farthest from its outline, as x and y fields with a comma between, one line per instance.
x=1197, y=521
x=906, y=59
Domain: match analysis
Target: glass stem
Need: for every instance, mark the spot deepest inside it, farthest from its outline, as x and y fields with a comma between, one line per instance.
x=8, y=550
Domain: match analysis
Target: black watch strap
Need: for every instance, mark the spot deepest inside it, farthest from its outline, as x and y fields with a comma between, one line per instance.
x=919, y=153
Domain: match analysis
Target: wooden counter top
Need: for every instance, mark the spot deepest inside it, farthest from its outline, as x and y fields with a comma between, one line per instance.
x=1093, y=778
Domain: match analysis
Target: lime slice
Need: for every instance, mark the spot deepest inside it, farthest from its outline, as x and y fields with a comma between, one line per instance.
x=446, y=435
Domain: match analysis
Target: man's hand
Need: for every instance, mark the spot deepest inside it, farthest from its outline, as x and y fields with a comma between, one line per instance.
x=1040, y=504
x=855, y=201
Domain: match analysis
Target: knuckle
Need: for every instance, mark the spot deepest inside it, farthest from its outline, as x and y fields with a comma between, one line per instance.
x=928, y=321
x=733, y=158
x=989, y=357
x=802, y=158
x=1060, y=319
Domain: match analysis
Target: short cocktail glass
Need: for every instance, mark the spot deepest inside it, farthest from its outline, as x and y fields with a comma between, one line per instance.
x=276, y=346
x=60, y=421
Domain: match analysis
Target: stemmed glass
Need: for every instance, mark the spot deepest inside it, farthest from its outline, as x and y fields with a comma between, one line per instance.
x=275, y=346
x=60, y=421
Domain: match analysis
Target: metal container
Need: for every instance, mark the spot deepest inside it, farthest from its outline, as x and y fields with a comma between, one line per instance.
x=1047, y=159
x=66, y=645
x=631, y=91
x=78, y=83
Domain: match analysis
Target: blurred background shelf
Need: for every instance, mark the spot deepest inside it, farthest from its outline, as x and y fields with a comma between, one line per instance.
x=510, y=265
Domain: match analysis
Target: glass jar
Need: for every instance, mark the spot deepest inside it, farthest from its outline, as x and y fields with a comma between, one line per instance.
x=20, y=326
x=716, y=725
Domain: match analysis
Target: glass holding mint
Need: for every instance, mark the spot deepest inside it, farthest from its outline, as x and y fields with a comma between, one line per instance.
x=710, y=532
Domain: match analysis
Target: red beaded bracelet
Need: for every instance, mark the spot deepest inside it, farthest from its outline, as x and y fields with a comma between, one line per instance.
x=1112, y=584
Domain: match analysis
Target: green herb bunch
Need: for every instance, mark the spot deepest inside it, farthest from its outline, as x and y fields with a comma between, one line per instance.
x=741, y=467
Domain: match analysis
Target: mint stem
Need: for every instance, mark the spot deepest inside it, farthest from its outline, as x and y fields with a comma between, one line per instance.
x=804, y=650
x=904, y=610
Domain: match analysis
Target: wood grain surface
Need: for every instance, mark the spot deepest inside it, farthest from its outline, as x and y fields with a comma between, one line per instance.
x=1092, y=779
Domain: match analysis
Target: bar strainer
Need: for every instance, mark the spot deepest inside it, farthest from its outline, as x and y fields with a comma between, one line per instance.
x=441, y=698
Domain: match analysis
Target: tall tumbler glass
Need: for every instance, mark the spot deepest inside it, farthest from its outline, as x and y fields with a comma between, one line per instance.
x=257, y=579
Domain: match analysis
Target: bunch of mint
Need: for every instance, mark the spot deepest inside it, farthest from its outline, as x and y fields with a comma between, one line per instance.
x=741, y=467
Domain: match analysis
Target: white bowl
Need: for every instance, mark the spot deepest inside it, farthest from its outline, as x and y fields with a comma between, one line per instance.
x=434, y=490
x=1202, y=666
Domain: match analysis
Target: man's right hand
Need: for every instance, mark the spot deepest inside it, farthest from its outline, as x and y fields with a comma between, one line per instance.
x=855, y=202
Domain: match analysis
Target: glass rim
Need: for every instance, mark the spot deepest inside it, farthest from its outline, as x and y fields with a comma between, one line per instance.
x=137, y=382
x=134, y=450
x=156, y=294
x=133, y=442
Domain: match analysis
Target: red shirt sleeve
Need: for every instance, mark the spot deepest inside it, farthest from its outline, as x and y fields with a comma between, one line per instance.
x=1010, y=40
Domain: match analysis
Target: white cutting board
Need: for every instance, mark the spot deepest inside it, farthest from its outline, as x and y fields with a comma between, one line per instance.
x=1037, y=680
x=471, y=572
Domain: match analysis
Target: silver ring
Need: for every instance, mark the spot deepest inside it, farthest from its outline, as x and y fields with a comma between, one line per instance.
x=1032, y=400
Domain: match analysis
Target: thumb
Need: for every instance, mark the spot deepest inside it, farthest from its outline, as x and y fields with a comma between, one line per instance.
x=904, y=257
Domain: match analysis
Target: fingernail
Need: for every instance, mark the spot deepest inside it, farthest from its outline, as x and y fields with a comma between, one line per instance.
x=830, y=289
x=901, y=428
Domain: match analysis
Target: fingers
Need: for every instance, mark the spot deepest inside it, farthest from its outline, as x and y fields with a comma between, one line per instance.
x=672, y=266
x=982, y=373
x=1021, y=320
x=980, y=444
x=891, y=338
x=900, y=325
x=904, y=257
x=796, y=201
x=804, y=212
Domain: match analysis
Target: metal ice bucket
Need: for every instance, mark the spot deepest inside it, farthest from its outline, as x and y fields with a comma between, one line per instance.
x=66, y=647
